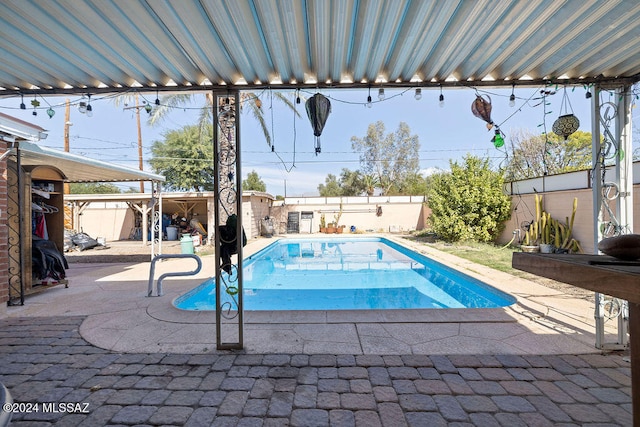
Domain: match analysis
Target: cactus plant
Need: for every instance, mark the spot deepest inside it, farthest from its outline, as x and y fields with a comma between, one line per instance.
x=547, y=230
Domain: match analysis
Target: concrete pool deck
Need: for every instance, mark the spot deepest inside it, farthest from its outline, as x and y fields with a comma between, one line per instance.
x=122, y=358
x=120, y=317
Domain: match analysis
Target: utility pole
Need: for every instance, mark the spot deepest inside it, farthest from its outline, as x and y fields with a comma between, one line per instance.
x=140, y=163
x=67, y=123
x=137, y=108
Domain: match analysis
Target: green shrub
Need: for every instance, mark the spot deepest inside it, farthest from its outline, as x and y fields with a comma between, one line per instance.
x=469, y=202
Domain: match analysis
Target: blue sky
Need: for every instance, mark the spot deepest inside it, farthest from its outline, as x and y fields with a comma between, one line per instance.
x=445, y=133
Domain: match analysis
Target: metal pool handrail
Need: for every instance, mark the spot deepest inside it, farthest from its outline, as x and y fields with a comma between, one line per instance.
x=172, y=274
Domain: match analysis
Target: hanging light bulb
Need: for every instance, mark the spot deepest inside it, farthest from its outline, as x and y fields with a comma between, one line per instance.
x=588, y=93
x=418, y=95
x=369, y=103
x=82, y=105
x=512, y=98
x=22, y=106
x=89, y=108
x=441, y=98
x=298, y=96
x=381, y=94
x=51, y=112
x=157, y=99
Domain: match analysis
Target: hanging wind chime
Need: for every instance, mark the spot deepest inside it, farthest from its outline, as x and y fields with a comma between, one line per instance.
x=567, y=123
x=481, y=108
x=318, y=108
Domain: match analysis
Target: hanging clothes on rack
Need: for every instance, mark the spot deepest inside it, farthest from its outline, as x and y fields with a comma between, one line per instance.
x=41, y=227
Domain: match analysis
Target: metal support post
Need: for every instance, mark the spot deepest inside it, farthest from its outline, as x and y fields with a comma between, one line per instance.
x=612, y=145
x=229, y=235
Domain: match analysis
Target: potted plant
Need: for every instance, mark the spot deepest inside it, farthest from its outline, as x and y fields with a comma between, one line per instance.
x=323, y=224
x=331, y=227
x=336, y=217
x=530, y=242
x=548, y=235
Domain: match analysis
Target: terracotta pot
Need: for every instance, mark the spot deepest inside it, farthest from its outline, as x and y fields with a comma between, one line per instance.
x=526, y=248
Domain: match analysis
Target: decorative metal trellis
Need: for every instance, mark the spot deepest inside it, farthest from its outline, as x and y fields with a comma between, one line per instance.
x=611, y=143
x=229, y=235
x=15, y=197
x=155, y=207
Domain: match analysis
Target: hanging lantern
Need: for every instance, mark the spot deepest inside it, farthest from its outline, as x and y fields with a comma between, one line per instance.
x=51, y=112
x=481, y=108
x=318, y=108
x=567, y=123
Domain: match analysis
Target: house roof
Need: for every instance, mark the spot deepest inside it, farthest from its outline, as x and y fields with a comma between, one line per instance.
x=114, y=45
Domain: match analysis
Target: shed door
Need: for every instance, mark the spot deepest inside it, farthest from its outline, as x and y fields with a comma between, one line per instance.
x=293, y=222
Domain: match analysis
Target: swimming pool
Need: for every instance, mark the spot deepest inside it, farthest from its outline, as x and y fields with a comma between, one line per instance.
x=348, y=274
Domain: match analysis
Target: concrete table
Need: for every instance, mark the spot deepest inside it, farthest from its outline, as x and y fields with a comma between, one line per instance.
x=598, y=273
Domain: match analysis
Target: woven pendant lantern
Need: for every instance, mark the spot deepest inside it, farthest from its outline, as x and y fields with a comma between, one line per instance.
x=566, y=124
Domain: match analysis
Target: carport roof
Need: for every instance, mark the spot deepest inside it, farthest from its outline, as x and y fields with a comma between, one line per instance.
x=56, y=46
x=78, y=168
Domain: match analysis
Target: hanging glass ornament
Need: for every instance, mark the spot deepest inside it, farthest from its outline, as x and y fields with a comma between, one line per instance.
x=318, y=108
x=567, y=123
x=498, y=138
x=51, y=112
x=481, y=108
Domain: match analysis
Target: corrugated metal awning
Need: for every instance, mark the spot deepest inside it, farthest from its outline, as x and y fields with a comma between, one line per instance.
x=112, y=45
x=80, y=168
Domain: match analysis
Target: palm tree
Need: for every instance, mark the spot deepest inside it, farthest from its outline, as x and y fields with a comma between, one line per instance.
x=248, y=100
x=370, y=183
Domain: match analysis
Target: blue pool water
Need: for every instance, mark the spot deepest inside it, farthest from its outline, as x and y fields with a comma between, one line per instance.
x=348, y=274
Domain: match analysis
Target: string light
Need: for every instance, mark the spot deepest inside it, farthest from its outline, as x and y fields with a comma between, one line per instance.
x=418, y=94
x=369, y=104
x=89, y=107
x=588, y=93
x=441, y=98
x=157, y=99
x=297, y=96
x=381, y=94
x=512, y=98
x=22, y=106
x=82, y=105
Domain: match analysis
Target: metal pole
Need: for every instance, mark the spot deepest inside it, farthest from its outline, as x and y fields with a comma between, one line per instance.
x=596, y=186
x=140, y=163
